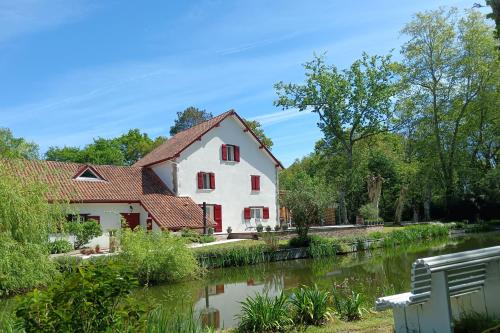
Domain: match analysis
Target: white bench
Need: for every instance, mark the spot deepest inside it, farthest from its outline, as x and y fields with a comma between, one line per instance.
x=445, y=287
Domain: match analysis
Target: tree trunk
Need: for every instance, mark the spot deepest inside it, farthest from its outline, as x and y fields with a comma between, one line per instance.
x=427, y=204
x=415, y=212
x=342, y=208
x=400, y=204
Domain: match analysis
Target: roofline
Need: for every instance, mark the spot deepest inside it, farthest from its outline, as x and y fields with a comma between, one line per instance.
x=229, y=113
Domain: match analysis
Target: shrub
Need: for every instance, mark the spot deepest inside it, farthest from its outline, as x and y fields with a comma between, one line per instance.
x=310, y=305
x=161, y=320
x=260, y=228
x=157, y=256
x=190, y=235
x=264, y=314
x=23, y=266
x=298, y=241
x=207, y=239
x=84, y=231
x=60, y=246
x=369, y=211
x=89, y=299
x=348, y=307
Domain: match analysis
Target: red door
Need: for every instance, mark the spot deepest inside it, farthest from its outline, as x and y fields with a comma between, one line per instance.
x=218, y=218
x=133, y=219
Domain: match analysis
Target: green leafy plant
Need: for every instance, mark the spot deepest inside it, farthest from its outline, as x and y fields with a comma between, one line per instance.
x=89, y=299
x=84, y=231
x=207, y=239
x=311, y=305
x=191, y=235
x=157, y=256
x=260, y=228
x=369, y=211
x=268, y=228
x=60, y=246
x=271, y=240
x=348, y=307
x=277, y=228
x=299, y=241
x=264, y=314
x=161, y=320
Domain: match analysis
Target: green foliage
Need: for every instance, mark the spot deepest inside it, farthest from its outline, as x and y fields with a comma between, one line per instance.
x=234, y=255
x=307, y=200
x=265, y=314
x=475, y=322
x=90, y=299
x=207, y=239
x=12, y=147
x=23, y=266
x=191, y=235
x=84, y=231
x=369, y=211
x=157, y=256
x=256, y=128
x=415, y=233
x=310, y=305
x=260, y=228
x=348, y=307
x=299, y=241
x=60, y=246
x=123, y=150
x=323, y=247
x=271, y=240
x=188, y=118
x=161, y=320
x=268, y=228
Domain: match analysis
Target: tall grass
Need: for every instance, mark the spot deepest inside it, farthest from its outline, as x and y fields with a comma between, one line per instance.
x=348, y=307
x=476, y=322
x=264, y=314
x=161, y=320
x=311, y=305
x=415, y=233
x=237, y=255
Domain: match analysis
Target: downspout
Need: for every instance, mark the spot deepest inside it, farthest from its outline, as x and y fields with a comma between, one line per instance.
x=277, y=197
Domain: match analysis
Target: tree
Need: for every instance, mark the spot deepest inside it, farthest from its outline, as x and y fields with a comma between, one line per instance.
x=123, y=150
x=188, y=118
x=135, y=145
x=352, y=105
x=256, y=127
x=307, y=199
x=12, y=147
x=448, y=64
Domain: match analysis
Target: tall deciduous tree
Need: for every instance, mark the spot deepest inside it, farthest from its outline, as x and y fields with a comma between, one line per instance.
x=449, y=62
x=188, y=118
x=12, y=147
x=256, y=127
x=353, y=104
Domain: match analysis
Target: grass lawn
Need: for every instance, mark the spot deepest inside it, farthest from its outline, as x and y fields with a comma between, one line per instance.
x=372, y=322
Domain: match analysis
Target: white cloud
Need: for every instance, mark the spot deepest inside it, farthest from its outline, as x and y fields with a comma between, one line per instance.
x=20, y=17
x=279, y=117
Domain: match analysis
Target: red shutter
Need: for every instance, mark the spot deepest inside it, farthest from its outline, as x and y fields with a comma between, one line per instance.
x=218, y=218
x=265, y=213
x=257, y=183
x=237, y=153
x=252, y=182
x=246, y=213
x=200, y=180
x=224, y=152
x=212, y=180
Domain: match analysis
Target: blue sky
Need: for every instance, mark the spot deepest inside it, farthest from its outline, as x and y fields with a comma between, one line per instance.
x=74, y=70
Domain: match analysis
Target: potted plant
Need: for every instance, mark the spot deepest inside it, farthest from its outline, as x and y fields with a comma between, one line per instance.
x=277, y=227
x=229, y=230
x=268, y=228
x=97, y=248
x=113, y=241
x=260, y=228
x=284, y=227
x=210, y=231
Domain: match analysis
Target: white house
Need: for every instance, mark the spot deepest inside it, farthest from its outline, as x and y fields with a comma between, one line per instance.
x=219, y=162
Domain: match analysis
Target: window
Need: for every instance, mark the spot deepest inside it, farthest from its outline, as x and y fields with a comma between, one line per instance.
x=256, y=213
x=88, y=174
x=255, y=183
x=206, y=180
x=230, y=153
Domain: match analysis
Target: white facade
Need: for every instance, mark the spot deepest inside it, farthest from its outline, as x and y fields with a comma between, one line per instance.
x=233, y=189
x=110, y=217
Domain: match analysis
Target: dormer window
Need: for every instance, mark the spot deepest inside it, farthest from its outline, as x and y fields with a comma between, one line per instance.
x=89, y=174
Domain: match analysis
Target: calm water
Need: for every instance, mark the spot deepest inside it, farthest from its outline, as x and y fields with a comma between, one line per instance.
x=217, y=297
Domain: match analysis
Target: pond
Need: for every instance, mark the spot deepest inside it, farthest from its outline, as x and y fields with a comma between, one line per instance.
x=375, y=273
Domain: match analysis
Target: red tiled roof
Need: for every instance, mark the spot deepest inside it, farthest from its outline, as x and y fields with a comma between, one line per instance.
x=121, y=184
x=179, y=142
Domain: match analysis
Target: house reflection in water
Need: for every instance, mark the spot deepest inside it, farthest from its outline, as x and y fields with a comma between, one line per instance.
x=211, y=316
